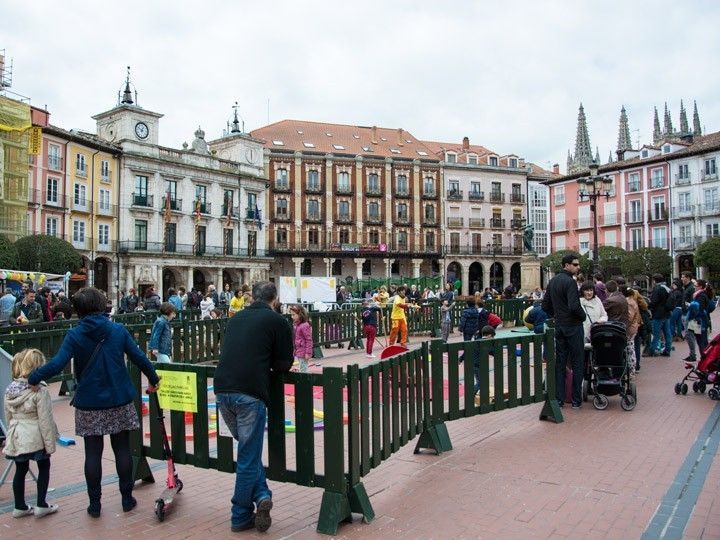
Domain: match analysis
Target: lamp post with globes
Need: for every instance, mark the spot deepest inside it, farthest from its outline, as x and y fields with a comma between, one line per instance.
x=592, y=188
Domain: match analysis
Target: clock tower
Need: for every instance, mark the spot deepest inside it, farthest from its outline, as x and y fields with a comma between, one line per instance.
x=127, y=122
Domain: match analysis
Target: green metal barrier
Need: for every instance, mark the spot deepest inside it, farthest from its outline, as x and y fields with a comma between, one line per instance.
x=389, y=404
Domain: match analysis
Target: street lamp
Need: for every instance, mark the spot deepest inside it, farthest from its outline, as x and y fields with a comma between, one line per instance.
x=592, y=188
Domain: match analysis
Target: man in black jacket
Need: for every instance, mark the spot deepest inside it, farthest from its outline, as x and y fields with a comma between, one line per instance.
x=258, y=341
x=660, y=316
x=562, y=302
x=688, y=289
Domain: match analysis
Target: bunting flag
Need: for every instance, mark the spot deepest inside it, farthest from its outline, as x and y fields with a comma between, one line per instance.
x=168, y=207
x=197, y=210
x=228, y=210
x=258, y=220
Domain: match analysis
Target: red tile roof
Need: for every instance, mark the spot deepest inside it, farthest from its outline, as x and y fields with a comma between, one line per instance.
x=342, y=139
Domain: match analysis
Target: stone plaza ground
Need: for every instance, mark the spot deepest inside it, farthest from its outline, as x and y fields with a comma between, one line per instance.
x=599, y=474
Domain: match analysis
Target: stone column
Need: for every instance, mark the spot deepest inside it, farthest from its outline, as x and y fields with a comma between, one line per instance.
x=388, y=266
x=328, y=266
x=188, y=278
x=416, y=267
x=219, y=283
x=130, y=278
x=465, y=288
x=297, y=261
x=297, y=192
x=358, y=268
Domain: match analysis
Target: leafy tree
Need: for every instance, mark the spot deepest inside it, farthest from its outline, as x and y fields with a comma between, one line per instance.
x=8, y=254
x=553, y=262
x=610, y=259
x=646, y=262
x=708, y=253
x=49, y=254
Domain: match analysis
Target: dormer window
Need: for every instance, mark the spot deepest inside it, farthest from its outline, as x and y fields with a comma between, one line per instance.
x=395, y=150
x=422, y=153
x=666, y=149
x=644, y=153
x=451, y=157
x=278, y=143
x=308, y=145
x=472, y=159
x=338, y=147
x=493, y=161
x=513, y=163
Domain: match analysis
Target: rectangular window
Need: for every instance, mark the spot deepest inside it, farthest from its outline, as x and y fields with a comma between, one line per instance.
x=373, y=183
x=313, y=209
x=79, y=200
x=429, y=186
x=610, y=213
x=560, y=224
x=610, y=238
x=429, y=212
x=451, y=158
x=712, y=229
x=710, y=167
x=51, y=226
x=344, y=236
x=313, y=179
x=513, y=162
x=683, y=172
x=344, y=182
x=658, y=208
x=454, y=187
x=54, y=159
x=658, y=180
x=402, y=237
x=455, y=242
x=140, y=197
x=228, y=241
x=560, y=242
x=79, y=233
x=685, y=234
x=539, y=217
x=659, y=237
x=374, y=210
x=344, y=209
x=105, y=170
x=472, y=159
x=281, y=207
x=313, y=237
x=684, y=201
x=374, y=237
x=635, y=212
x=281, y=237
x=140, y=234
x=201, y=193
x=103, y=235
x=201, y=241
x=251, y=205
x=634, y=182
x=402, y=211
x=493, y=161
x=540, y=243
x=402, y=184
x=711, y=199
x=559, y=195
x=636, y=241
x=52, y=190
x=281, y=178
x=104, y=202
x=430, y=240
x=80, y=169
x=475, y=187
x=496, y=188
x=170, y=237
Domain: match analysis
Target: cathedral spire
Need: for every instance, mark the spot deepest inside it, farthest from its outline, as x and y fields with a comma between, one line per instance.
x=684, y=128
x=696, y=120
x=610, y=157
x=597, y=155
x=583, y=151
x=667, y=123
x=623, y=132
x=657, y=134
x=127, y=98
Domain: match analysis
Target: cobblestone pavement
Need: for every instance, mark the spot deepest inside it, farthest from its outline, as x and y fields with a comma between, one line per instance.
x=600, y=474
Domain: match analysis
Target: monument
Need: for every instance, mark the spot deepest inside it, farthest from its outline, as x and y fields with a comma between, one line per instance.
x=529, y=262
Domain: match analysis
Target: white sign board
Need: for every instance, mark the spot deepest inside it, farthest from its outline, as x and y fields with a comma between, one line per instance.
x=288, y=290
x=318, y=289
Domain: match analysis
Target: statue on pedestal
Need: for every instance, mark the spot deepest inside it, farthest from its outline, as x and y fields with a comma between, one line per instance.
x=528, y=235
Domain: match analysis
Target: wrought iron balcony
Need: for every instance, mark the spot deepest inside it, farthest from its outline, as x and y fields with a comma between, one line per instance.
x=476, y=223
x=313, y=187
x=476, y=195
x=175, y=203
x=454, y=194
x=142, y=200
x=497, y=223
x=281, y=186
x=497, y=197
x=517, y=198
x=455, y=222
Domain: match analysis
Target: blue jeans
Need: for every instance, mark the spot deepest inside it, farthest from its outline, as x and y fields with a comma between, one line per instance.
x=245, y=417
x=658, y=326
x=569, y=344
x=676, y=325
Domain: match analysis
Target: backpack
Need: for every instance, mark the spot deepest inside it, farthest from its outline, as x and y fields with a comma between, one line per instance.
x=494, y=320
x=712, y=304
x=193, y=299
x=669, y=300
x=483, y=317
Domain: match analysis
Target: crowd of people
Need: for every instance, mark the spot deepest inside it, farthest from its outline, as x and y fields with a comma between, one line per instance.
x=680, y=311
x=31, y=306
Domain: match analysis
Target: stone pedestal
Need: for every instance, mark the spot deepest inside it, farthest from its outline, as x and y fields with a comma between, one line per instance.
x=529, y=272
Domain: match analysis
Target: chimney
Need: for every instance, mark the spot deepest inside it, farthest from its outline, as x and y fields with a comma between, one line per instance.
x=400, y=137
x=556, y=168
x=373, y=136
x=466, y=143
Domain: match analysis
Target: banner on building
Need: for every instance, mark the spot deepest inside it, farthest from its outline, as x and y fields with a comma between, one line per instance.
x=35, y=141
x=14, y=115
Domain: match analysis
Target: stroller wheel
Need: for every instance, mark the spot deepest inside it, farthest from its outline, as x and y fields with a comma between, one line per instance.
x=160, y=509
x=678, y=388
x=584, y=390
x=713, y=393
x=684, y=388
x=179, y=485
x=627, y=403
x=695, y=387
x=600, y=402
x=701, y=387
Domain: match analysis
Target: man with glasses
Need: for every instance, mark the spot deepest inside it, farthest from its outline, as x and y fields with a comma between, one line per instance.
x=562, y=302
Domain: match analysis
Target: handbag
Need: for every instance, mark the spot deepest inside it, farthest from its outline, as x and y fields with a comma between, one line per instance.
x=89, y=363
x=694, y=326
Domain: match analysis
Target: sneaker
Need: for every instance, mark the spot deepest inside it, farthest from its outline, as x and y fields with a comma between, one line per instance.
x=29, y=511
x=576, y=406
x=665, y=354
x=41, y=511
x=262, y=515
x=246, y=527
x=370, y=356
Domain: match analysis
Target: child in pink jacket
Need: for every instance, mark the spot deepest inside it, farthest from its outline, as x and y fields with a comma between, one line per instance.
x=302, y=337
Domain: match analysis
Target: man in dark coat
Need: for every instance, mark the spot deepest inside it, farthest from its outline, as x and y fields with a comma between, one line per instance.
x=659, y=307
x=258, y=343
x=562, y=301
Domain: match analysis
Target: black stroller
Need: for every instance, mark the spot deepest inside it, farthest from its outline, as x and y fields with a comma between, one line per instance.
x=610, y=366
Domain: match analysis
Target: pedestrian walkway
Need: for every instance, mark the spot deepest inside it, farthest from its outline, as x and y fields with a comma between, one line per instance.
x=599, y=474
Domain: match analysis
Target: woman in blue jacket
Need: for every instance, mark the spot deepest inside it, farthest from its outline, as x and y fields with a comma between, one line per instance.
x=104, y=395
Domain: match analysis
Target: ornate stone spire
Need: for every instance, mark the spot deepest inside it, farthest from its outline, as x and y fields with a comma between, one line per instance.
x=610, y=157
x=569, y=161
x=667, y=123
x=684, y=128
x=597, y=155
x=623, y=132
x=235, y=122
x=583, y=151
x=657, y=134
x=127, y=98
x=696, y=120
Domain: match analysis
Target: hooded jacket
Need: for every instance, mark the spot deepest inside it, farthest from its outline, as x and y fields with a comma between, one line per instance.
x=30, y=421
x=105, y=383
x=206, y=306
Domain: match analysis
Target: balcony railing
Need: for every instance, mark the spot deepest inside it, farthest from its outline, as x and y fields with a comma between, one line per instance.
x=82, y=172
x=281, y=186
x=344, y=218
x=657, y=182
x=661, y=215
x=373, y=191
x=233, y=210
x=313, y=187
x=405, y=193
x=80, y=205
x=81, y=243
x=476, y=223
x=491, y=250
x=455, y=222
x=401, y=220
x=313, y=217
x=711, y=208
x=106, y=209
x=429, y=194
x=608, y=220
x=454, y=194
x=633, y=186
x=343, y=189
x=497, y=197
x=142, y=200
x=189, y=249
x=582, y=223
x=682, y=179
x=429, y=220
x=175, y=203
x=476, y=195
x=687, y=242
x=558, y=226
x=105, y=176
x=681, y=212
x=497, y=223
x=517, y=198
x=708, y=177
x=281, y=216
x=559, y=200
x=633, y=217
x=55, y=163
x=373, y=218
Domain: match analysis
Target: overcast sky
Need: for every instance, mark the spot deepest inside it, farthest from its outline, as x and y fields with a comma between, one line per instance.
x=509, y=74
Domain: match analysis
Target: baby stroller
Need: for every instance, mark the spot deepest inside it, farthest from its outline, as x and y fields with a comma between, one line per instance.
x=610, y=366
x=705, y=373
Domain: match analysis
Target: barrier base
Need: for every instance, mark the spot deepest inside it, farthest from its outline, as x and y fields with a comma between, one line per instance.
x=551, y=411
x=141, y=470
x=435, y=437
x=335, y=507
x=356, y=344
x=317, y=352
x=360, y=502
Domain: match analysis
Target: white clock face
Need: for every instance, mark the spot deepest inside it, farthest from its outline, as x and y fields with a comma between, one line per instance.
x=250, y=155
x=141, y=130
